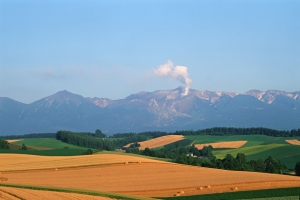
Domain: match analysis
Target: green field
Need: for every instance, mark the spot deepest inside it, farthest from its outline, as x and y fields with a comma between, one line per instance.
x=52, y=152
x=47, y=143
x=56, y=148
x=258, y=146
x=284, y=193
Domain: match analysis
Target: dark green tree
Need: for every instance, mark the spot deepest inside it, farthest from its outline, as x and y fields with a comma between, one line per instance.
x=3, y=144
x=24, y=147
x=99, y=134
x=88, y=152
x=297, y=168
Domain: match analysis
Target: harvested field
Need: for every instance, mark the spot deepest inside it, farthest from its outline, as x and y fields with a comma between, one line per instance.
x=19, y=162
x=152, y=179
x=160, y=141
x=11, y=141
x=293, y=142
x=219, y=145
x=10, y=193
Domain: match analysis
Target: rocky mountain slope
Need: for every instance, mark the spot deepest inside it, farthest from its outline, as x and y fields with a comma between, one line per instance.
x=164, y=110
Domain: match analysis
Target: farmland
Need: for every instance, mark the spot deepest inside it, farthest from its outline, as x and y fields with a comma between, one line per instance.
x=44, y=146
x=11, y=193
x=138, y=176
x=19, y=162
x=257, y=146
x=134, y=175
x=160, y=141
x=49, y=143
x=218, y=145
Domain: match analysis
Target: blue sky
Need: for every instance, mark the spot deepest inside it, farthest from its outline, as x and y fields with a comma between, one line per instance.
x=112, y=48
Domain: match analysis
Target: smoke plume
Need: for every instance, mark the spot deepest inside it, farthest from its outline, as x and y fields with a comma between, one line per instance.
x=178, y=72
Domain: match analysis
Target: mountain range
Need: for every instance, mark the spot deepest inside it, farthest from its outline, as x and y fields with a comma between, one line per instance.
x=162, y=110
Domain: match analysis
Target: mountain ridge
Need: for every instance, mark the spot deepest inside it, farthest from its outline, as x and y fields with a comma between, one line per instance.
x=165, y=110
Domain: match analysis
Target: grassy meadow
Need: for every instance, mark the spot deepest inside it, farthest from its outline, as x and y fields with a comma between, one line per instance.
x=45, y=147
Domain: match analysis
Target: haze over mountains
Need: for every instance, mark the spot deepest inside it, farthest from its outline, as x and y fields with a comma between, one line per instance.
x=163, y=110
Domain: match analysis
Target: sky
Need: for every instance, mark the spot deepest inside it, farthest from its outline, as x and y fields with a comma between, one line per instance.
x=111, y=49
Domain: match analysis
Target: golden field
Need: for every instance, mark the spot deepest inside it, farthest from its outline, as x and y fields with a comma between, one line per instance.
x=293, y=142
x=19, y=162
x=218, y=145
x=157, y=142
x=147, y=178
x=10, y=193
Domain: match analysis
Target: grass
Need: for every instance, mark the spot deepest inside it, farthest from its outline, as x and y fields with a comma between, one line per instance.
x=254, y=194
x=47, y=143
x=52, y=152
x=78, y=191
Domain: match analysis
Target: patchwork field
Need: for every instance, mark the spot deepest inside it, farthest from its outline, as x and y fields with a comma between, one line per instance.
x=148, y=178
x=219, y=145
x=160, y=141
x=293, y=142
x=10, y=193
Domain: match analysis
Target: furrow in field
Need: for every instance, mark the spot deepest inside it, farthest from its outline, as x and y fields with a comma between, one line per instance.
x=17, y=162
x=152, y=179
x=28, y=194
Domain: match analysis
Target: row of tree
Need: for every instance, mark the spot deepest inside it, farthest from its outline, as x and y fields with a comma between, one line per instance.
x=151, y=134
x=30, y=135
x=83, y=140
x=241, y=131
x=239, y=162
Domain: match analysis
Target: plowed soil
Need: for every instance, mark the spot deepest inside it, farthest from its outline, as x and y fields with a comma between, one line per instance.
x=9, y=193
x=152, y=179
x=19, y=162
x=219, y=145
x=160, y=141
x=293, y=142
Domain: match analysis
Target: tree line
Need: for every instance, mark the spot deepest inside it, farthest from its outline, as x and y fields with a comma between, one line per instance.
x=83, y=140
x=241, y=131
x=30, y=135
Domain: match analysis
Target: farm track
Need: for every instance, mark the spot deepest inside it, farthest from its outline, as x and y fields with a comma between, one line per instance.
x=152, y=179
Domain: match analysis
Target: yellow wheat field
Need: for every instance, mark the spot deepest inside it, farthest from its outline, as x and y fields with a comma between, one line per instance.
x=231, y=144
x=160, y=141
x=11, y=141
x=152, y=179
x=9, y=193
x=293, y=142
x=16, y=162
